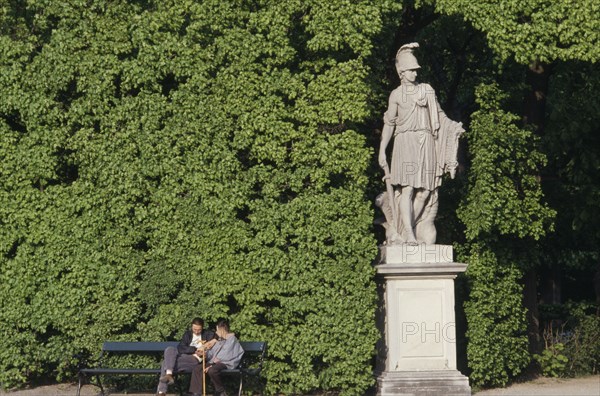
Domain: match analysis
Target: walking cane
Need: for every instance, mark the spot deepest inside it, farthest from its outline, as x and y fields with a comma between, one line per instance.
x=203, y=372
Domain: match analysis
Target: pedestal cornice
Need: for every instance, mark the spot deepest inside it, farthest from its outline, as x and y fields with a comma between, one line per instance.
x=421, y=269
x=419, y=260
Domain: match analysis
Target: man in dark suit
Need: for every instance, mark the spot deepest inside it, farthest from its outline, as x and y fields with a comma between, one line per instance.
x=186, y=356
x=224, y=352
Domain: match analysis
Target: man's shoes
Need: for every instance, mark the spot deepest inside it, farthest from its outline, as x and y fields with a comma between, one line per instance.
x=161, y=394
x=168, y=379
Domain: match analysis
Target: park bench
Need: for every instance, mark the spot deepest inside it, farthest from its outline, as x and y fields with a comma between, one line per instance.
x=250, y=366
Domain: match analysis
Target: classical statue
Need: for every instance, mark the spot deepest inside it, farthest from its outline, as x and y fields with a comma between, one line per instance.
x=425, y=143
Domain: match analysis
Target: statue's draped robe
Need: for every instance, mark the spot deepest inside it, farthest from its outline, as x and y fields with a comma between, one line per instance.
x=416, y=122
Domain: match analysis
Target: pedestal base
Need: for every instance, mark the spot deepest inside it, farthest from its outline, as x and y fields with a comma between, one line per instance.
x=423, y=383
x=417, y=355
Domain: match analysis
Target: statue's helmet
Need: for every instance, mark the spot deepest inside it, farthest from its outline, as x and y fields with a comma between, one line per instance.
x=405, y=60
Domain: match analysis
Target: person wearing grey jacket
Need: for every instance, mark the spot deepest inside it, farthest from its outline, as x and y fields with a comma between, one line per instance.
x=223, y=352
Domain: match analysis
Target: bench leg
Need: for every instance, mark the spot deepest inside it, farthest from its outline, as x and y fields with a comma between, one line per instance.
x=80, y=384
x=82, y=380
x=261, y=384
x=100, y=385
x=241, y=379
x=178, y=386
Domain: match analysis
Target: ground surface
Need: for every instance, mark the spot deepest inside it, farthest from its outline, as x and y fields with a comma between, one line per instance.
x=587, y=386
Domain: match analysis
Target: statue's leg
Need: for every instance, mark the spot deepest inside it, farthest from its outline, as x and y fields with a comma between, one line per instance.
x=420, y=200
x=425, y=227
x=406, y=213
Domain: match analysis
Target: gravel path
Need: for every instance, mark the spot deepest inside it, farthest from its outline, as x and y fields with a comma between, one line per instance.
x=586, y=386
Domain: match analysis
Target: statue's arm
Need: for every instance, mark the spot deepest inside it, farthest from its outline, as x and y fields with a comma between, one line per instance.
x=388, y=129
x=386, y=136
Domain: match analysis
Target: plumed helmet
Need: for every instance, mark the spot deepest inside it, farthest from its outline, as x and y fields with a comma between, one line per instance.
x=405, y=60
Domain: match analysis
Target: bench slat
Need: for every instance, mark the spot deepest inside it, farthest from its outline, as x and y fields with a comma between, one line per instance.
x=100, y=370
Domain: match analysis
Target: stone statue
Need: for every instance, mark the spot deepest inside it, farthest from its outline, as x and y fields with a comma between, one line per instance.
x=425, y=146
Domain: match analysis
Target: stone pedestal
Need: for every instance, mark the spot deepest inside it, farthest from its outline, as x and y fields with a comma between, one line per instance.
x=418, y=353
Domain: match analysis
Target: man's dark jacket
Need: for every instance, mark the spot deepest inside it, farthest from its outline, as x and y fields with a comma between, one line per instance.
x=184, y=347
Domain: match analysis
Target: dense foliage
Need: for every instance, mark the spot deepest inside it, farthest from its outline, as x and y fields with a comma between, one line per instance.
x=503, y=206
x=551, y=40
x=173, y=158
x=544, y=30
x=573, y=347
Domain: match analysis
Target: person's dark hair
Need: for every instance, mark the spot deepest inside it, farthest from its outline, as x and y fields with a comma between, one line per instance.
x=224, y=323
x=198, y=321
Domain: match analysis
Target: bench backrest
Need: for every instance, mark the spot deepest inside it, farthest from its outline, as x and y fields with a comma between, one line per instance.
x=250, y=347
x=259, y=347
x=254, y=351
x=137, y=347
x=254, y=354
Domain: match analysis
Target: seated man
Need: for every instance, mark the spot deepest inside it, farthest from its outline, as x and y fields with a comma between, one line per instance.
x=186, y=356
x=223, y=352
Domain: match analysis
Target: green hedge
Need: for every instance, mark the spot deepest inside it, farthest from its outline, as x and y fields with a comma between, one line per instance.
x=166, y=159
x=504, y=215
